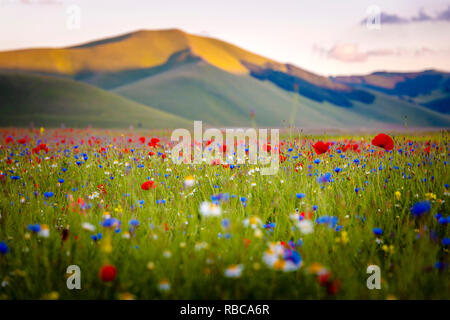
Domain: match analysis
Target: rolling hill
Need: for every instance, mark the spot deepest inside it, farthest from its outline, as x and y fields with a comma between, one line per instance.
x=51, y=101
x=229, y=98
x=175, y=76
x=429, y=88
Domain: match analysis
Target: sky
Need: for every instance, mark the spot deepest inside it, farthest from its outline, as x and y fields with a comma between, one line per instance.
x=328, y=37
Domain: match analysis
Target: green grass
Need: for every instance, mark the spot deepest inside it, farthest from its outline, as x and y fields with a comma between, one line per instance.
x=52, y=101
x=35, y=266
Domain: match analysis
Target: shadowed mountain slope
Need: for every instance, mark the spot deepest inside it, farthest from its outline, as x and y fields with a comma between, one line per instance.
x=51, y=101
x=191, y=89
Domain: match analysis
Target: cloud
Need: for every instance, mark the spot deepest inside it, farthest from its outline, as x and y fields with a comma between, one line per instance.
x=41, y=2
x=350, y=52
x=444, y=15
x=421, y=16
x=387, y=18
x=423, y=51
x=391, y=18
x=347, y=52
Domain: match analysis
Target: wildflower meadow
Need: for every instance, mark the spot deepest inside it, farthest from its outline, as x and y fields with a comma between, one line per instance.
x=106, y=214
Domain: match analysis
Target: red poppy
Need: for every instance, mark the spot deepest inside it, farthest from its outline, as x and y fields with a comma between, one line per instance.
x=321, y=147
x=142, y=139
x=383, y=141
x=147, y=185
x=323, y=278
x=101, y=188
x=333, y=287
x=42, y=146
x=107, y=273
x=153, y=142
x=9, y=139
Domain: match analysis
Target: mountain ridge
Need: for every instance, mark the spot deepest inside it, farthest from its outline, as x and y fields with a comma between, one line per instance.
x=135, y=64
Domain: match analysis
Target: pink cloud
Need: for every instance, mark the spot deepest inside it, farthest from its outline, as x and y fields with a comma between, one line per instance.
x=347, y=52
x=350, y=52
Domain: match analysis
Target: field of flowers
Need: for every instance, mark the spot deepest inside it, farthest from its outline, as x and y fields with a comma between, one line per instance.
x=139, y=226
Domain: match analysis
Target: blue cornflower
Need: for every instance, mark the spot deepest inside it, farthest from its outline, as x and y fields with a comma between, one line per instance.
x=420, y=208
x=330, y=221
x=300, y=195
x=34, y=227
x=225, y=223
x=133, y=222
x=269, y=225
x=293, y=256
x=111, y=222
x=377, y=231
x=441, y=265
x=324, y=178
x=3, y=248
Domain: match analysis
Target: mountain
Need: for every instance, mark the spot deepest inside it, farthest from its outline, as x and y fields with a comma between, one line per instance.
x=48, y=100
x=136, y=50
x=200, y=78
x=429, y=88
x=189, y=89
